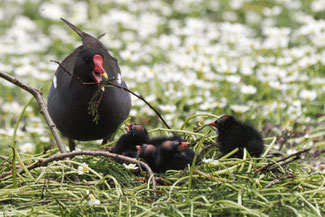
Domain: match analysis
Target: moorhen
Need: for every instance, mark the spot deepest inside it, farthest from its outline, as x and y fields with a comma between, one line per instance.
x=148, y=153
x=181, y=159
x=169, y=156
x=68, y=100
x=234, y=134
x=159, y=140
x=126, y=145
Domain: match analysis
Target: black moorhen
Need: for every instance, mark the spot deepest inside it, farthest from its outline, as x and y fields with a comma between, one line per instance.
x=126, y=145
x=159, y=140
x=234, y=134
x=170, y=156
x=148, y=153
x=183, y=158
x=68, y=99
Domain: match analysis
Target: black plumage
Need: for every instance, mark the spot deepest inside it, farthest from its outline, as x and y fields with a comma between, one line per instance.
x=181, y=159
x=159, y=140
x=68, y=99
x=148, y=153
x=126, y=145
x=235, y=134
x=167, y=155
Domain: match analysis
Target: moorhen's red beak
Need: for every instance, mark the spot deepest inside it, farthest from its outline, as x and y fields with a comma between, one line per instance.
x=139, y=151
x=214, y=123
x=182, y=145
x=128, y=127
x=99, y=70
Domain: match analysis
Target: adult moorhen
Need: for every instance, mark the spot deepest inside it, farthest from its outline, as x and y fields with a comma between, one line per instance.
x=234, y=134
x=68, y=99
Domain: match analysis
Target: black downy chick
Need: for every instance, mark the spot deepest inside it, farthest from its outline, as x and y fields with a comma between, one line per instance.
x=167, y=153
x=159, y=140
x=182, y=159
x=148, y=153
x=171, y=155
x=159, y=157
x=136, y=135
x=234, y=134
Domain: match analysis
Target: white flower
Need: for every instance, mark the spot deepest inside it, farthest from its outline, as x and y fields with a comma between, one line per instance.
x=239, y=108
x=44, y=139
x=317, y=5
x=309, y=95
x=51, y=11
x=235, y=79
x=93, y=200
x=249, y=89
x=306, y=137
x=83, y=169
x=210, y=161
x=168, y=108
x=130, y=166
x=294, y=110
x=35, y=127
x=27, y=147
x=11, y=107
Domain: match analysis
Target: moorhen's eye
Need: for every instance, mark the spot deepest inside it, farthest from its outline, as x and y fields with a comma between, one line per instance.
x=87, y=60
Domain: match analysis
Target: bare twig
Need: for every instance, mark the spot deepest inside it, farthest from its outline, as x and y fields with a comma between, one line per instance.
x=57, y=157
x=140, y=97
x=283, y=164
x=72, y=75
x=283, y=159
x=118, y=86
x=211, y=178
x=38, y=96
x=277, y=180
x=198, y=129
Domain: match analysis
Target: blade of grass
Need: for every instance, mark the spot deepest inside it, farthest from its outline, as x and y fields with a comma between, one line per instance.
x=15, y=153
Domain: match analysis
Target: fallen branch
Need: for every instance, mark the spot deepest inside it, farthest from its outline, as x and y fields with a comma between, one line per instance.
x=277, y=180
x=38, y=96
x=283, y=164
x=57, y=157
x=115, y=85
x=211, y=178
x=297, y=154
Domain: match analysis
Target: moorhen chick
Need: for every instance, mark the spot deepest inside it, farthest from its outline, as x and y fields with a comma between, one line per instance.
x=169, y=156
x=181, y=159
x=159, y=140
x=234, y=134
x=126, y=145
x=68, y=99
x=148, y=153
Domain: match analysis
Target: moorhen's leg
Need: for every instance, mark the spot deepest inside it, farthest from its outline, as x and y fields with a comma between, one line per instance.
x=72, y=144
x=105, y=141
